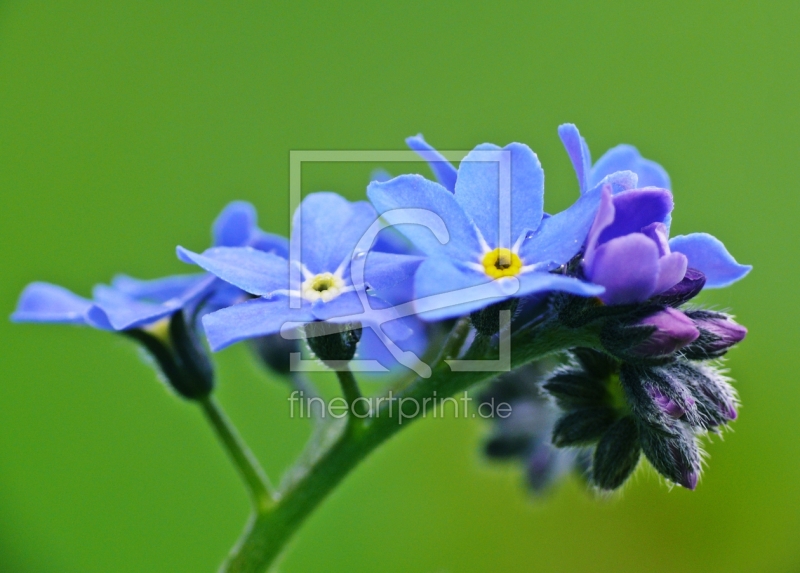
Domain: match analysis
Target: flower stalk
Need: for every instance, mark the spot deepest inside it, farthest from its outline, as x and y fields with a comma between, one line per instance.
x=255, y=479
x=268, y=532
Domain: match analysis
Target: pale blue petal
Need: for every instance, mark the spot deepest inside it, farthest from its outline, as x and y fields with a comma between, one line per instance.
x=157, y=290
x=578, y=153
x=257, y=317
x=329, y=227
x=370, y=347
x=437, y=276
x=560, y=237
x=708, y=255
x=253, y=271
x=628, y=158
x=45, y=302
x=124, y=312
x=269, y=243
x=385, y=270
x=345, y=305
x=479, y=187
x=233, y=227
x=380, y=175
x=348, y=307
x=535, y=282
x=443, y=170
x=439, y=210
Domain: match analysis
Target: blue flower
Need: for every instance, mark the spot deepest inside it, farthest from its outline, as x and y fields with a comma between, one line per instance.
x=628, y=251
x=504, y=258
x=620, y=158
x=130, y=303
x=330, y=232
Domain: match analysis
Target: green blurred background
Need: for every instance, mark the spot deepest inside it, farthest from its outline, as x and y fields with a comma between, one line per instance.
x=126, y=126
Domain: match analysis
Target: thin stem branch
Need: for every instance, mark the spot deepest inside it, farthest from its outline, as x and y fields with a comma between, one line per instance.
x=267, y=533
x=351, y=392
x=254, y=478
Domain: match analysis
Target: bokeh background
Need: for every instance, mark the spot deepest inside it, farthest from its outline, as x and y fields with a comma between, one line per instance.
x=126, y=126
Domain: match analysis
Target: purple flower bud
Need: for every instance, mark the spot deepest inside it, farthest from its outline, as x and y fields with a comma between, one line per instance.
x=667, y=404
x=718, y=332
x=689, y=287
x=673, y=331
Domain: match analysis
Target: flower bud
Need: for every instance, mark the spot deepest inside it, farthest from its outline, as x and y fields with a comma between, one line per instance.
x=691, y=285
x=673, y=453
x=181, y=358
x=274, y=351
x=617, y=455
x=718, y=332
x=715, y=399
x=487, y=320
x=333, y=343
x=672, y=330
x=582, y=427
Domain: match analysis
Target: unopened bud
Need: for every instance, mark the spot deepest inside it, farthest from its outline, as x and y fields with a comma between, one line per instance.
x=616, y=455
x=181, y=358
x=718, y=332
x=582, y=427
x=672, y=331
x=331, y=342
x=691, y=285
x=673, y=453
x=275, y=351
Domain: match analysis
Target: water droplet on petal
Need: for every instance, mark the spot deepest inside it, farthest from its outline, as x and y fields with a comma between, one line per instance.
x=359, y=255
x=530, y=235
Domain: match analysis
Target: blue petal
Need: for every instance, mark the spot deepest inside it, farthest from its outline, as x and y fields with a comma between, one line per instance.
x=438, y=276
x=233, y=226
x=157, y=290
x=269, y=243
x=345, y=305
x=370, y=347
x=636, y=209
x=442, y=169
x=578, y=153
x=384, y=270
x=561, y=236
x=253, y=271
x=708, y=255
x=440, y=214
x=329, y=227
x=628, y=267
x=628, y=158
x=45, y=302
x=124, y=312
x=380, y=175
x=535, y=282
x=478, y=191
x=258, y=317
x=349, y=307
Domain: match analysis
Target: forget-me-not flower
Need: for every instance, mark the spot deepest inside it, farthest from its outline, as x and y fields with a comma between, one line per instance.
x=483, y=248
x=329, y=229
x=628, y=250
x=130, y=303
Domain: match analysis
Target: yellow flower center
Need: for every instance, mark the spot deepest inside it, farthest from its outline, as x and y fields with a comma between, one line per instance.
x=324, y=286
x=501, y=263
x=160, y=330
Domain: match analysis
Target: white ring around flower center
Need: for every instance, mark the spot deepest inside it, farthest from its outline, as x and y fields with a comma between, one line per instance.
x=324, y=286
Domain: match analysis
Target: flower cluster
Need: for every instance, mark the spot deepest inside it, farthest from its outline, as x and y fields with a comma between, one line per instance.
x=462, y=247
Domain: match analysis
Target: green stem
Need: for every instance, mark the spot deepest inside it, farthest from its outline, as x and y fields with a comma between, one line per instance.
x=257, y=484
x=351, y=392
x=268, y=532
